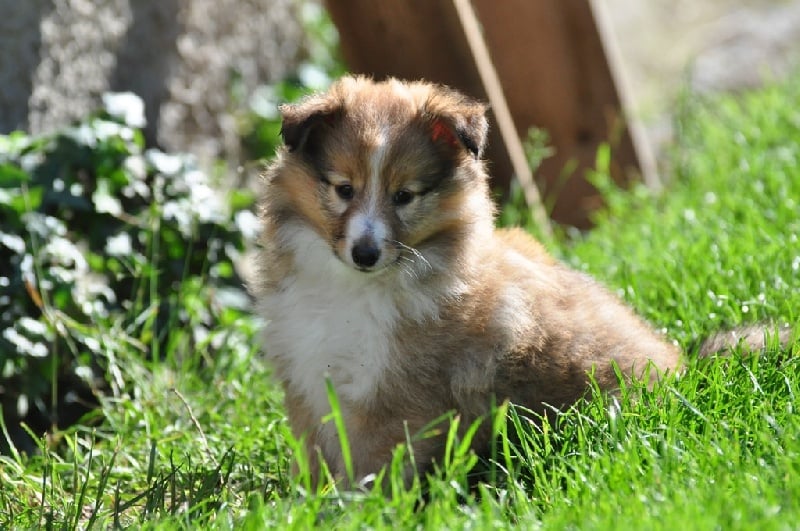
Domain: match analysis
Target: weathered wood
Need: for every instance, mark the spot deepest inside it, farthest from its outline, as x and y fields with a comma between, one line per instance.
x=413, y=40
x=553, y=65
x=547, y=62
x=502, y=114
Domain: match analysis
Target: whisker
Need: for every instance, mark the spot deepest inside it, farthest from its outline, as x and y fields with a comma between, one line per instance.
x=412, y=271
x=414, y=252
x=405, y=268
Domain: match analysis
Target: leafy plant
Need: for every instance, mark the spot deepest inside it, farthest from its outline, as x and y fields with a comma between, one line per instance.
x=99, y=233
x=260, y=125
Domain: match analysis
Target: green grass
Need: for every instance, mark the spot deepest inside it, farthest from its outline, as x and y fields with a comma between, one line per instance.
x=189, y=443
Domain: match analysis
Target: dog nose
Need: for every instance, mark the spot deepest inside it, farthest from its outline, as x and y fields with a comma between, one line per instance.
x=365, y=253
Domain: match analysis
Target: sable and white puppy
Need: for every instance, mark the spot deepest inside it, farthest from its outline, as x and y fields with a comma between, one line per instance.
x=381, y=269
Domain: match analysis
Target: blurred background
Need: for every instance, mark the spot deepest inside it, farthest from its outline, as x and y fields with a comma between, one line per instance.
x=124, y=220
x=703, y=46
x=202, y=65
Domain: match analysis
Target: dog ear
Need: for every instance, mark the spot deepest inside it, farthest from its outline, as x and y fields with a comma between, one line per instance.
x=458, y=121
x=301, y=119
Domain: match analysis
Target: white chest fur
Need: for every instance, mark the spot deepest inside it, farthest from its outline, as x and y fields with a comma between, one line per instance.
x=328, y=320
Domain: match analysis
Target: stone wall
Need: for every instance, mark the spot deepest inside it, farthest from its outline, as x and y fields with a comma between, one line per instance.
x=59, y=56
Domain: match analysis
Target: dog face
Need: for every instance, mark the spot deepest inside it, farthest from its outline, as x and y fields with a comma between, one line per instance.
x=377, y=169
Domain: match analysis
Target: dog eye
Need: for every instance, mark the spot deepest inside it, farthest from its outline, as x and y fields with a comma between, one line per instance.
x=345, y=191
x=402, y=197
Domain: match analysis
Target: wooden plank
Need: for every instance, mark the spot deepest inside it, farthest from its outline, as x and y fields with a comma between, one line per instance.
x=641, y=145
x=547, y=62
x=552, y=63
x=502, y=114
x=430, y=40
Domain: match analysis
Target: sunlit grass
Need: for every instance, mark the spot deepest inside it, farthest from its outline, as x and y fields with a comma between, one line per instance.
x=192, y=440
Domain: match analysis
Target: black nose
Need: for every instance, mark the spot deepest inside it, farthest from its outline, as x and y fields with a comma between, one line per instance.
x=365, y=253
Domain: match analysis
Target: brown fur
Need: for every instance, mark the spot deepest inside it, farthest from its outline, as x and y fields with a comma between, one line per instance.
x=508, y=321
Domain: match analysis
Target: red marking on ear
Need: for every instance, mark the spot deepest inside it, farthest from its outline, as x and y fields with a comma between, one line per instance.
x=442, y=131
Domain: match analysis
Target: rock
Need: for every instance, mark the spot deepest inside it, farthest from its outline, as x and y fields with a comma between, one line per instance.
x=181, y=56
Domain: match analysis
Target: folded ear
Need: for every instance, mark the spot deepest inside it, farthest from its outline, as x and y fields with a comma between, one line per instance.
x=301, y=119
x=458, y=121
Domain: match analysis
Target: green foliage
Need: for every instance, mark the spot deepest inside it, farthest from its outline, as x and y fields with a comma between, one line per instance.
x=720, y=246
x=260, y=125
x=99, y=232
x=537, y=147
x=717, y=447
x=713, y=449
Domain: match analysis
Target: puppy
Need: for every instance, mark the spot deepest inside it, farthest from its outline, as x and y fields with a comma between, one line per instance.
x=380, y=269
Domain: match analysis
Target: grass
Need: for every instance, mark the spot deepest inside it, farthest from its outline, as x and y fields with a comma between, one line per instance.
x=188, y=442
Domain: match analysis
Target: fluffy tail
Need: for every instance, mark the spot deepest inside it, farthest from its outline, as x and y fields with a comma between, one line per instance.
x=748, y=339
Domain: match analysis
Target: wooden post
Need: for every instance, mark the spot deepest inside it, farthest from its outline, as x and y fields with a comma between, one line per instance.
x=554, y=67
x=537, y=62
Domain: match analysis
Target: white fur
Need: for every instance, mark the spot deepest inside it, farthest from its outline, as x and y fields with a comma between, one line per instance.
x=368, y=222
x=513, y=313
x=328, y=319
x=377, y=160
x=376, y=166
